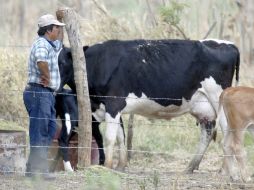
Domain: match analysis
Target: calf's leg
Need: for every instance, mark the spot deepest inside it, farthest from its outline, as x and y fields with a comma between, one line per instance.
x=228, y=157
x=240, y=154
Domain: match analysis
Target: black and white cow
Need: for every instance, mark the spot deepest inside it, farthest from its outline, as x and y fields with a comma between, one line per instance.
x=157, y=79
x=67, y=109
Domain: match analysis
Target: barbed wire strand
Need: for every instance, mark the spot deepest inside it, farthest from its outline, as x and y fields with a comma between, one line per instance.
x=137, y=122
x=8, y=146
x=242, y=101
x=4, y=145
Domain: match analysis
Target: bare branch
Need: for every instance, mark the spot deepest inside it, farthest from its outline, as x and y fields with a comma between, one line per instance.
x=181, y=31
x=210, y=30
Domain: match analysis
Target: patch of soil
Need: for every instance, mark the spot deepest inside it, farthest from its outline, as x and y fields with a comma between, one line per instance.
x=150, y=172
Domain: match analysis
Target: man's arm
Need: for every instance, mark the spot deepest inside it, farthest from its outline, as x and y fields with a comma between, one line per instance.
x=45, y=76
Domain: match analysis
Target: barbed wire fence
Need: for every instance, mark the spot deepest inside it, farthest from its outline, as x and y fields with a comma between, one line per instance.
x=129, y=173
x=95, y=96
x=137, y=122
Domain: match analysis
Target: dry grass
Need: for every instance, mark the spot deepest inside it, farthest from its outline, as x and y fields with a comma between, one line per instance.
x=130, y=24
x=163, y=148
x=102, y=20
x=13, y=79
x=175, y=139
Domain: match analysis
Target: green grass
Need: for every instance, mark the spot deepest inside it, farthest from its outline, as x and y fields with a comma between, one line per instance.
x=249, y=144
x=105, y=178
x=163, y=135
x=248, y=139
x=151, y=137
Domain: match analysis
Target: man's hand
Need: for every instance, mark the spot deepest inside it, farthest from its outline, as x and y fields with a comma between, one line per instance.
x=60, y=14
x=45, y=76
x=44, y=81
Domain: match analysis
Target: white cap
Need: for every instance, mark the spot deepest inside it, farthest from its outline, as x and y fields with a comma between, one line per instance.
x=48, y=19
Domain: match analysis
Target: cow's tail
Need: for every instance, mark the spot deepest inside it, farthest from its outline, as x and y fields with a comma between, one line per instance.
x=237, y=68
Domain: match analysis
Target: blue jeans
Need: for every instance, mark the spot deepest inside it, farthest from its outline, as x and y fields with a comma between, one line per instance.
x=40, y=105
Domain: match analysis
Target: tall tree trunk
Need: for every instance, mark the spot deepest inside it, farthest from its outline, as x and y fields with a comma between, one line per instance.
x=22, y=6
x=246, y=19
x=80, y=76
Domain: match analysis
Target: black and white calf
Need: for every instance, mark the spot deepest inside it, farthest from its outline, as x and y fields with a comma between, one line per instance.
x=157, y=79
x=67, y=109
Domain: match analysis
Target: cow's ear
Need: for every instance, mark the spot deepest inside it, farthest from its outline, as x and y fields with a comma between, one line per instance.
x=85, y=48
x=68, y=54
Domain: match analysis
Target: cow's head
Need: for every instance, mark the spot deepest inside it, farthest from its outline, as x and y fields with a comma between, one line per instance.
x=65, y=64
x=66, y=69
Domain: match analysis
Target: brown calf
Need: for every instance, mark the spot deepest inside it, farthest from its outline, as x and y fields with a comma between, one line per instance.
x=238, y=106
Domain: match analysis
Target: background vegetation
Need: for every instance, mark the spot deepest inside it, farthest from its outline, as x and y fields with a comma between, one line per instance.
x=101, y=20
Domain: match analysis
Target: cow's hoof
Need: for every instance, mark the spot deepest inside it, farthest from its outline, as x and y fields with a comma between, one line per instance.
x=108, y=164
x=120, y=168
x=246, y=179
x=222, y=172
x=235, y=178
x=101, y=162
x=67, y=166
x=188, y=171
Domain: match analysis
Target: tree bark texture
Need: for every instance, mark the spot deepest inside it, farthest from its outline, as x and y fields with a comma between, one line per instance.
x=80, y=76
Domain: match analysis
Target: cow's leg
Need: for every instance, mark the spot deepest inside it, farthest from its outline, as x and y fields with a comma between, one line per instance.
x=203, y=110
x=64, y=150
x=53, y=165
x=130, y=136
x=122, y=149
x=240, y=153
x=110, y=137
x=208, y=132
x=64, y=142
x=99, y=140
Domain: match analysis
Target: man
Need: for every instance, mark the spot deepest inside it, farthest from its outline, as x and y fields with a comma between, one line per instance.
x=43, y=81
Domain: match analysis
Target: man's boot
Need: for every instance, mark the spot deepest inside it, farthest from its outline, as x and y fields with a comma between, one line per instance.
x=43, y=167
x=37, y=164
x=29, y=171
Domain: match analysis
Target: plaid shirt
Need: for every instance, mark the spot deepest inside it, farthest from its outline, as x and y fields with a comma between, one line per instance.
x=43, y=50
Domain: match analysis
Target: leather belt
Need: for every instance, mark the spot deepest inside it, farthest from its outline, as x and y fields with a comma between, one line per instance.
x=40, y=85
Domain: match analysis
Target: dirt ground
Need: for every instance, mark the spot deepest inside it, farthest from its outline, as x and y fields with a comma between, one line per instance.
x=143, y=172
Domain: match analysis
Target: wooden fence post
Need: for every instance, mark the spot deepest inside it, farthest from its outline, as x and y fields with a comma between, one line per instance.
x=130, y=136
x=79, y=65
